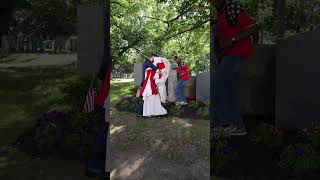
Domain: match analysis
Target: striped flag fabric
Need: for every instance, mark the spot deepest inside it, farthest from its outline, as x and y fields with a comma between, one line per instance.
x=90, y=100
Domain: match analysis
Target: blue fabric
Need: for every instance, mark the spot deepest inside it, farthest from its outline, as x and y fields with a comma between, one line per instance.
x=180, y=91
x=146, y=64
x=226, y=92
x=97, y=158
x=140, y=108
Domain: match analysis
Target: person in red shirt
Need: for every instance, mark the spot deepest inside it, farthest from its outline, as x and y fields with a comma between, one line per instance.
x=236, y=31
x=183, y=72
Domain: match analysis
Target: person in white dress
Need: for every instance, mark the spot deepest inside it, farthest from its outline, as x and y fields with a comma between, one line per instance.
x=150, y=93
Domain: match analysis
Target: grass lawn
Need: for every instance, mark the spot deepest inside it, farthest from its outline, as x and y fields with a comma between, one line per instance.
x=25, y=93
x=168, y=147
x=142, y=148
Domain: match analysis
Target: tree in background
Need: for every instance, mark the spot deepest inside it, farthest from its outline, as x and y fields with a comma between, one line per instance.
x=139, y=28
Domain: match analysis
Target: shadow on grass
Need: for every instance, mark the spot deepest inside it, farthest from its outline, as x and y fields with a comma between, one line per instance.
x=167, y=142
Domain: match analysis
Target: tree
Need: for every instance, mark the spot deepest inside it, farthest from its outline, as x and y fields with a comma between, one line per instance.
x=163, y=27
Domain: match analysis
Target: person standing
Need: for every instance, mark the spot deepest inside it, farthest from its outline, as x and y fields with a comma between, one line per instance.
x=236, y=29
x=183, y=73
x=146, y=64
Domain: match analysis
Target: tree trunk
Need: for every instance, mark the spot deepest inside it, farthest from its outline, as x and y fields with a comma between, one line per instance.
x=280, y=16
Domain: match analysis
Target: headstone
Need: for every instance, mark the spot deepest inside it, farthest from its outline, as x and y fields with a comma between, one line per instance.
x=297, y=82
x=171, y=86
x=203, y=87
x=67, y=45
x=5, y=48
x=137, y=73
x=91, y=38
x=190, y=88
x=12, y=43
x=257, y=82
x=73, y=43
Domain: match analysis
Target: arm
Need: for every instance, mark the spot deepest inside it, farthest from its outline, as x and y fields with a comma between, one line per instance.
x=188, y=70
x=250, y=31
x=249, y=28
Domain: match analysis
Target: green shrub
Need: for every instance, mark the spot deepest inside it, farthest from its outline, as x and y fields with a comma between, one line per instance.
x=46, y=137
x=312, y=135
x=203, y=112
x=223, y=154
x=266, y=134
x=124, y=105
x=299, y=159
x=176, y=111
x=133, y=89
x=193, y=105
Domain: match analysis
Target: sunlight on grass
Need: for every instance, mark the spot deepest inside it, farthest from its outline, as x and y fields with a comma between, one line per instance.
x=116, y=129
x=119, y=89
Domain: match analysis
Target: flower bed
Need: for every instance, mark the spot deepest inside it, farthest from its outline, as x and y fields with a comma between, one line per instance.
x=68, y=134
x=194, y=109
x=267, y=153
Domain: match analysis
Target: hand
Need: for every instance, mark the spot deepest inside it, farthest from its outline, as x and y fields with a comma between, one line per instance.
x=226, y=45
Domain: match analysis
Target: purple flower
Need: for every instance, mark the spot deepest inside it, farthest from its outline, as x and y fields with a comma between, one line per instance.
x=226, y=151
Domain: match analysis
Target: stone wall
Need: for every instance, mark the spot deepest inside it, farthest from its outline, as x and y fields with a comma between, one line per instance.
x=298, y=81
x=257, y=82
x=203, y=87
x=190, y=88
x=137, y=73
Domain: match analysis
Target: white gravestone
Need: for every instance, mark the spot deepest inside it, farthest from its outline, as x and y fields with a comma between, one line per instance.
x=137, y=73
x=172, y=84
x=203, y=87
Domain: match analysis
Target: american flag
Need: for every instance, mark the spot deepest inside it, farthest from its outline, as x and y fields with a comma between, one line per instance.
x=90, y=100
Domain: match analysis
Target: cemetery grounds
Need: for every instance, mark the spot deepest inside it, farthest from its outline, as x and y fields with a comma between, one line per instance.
x=140, y=148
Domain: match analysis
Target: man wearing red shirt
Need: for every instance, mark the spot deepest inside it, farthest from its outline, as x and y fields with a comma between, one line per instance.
x=183, y=72
x=235, y=29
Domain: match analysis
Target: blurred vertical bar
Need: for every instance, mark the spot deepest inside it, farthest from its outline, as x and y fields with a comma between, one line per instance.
x=91, y=38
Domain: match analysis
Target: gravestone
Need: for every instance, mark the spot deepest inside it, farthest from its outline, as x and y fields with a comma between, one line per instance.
x=73, y=43
x=297, y=82
x=190, y=88
x=91, y=38
x=203, y=87
x=137, y=73
x=171, y=86
x=257, y=82
x=5, y=48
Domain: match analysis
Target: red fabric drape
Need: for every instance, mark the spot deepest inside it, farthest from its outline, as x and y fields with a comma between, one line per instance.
x=150, y=75
x=104, y=90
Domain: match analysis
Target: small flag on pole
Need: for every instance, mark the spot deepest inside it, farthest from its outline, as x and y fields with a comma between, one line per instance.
x=90, y=97
x=90, y=101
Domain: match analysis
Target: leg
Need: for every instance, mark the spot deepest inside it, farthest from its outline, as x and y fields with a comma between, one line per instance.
x=222, y=82
x=96, y=163
x=178, y=91
x=183, y=97
x=234, y=109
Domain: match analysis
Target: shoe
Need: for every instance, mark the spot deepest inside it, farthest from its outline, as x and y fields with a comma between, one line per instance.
x=239, y=132
x=178, y=103
x=226, y=128
x=184, y=103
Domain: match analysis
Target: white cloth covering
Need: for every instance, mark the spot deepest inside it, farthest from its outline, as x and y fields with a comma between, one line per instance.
x=151, y=103
x=161, y=82
x=172, y=84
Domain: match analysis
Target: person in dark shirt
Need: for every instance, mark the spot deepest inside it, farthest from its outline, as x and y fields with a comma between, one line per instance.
x=236, y=29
